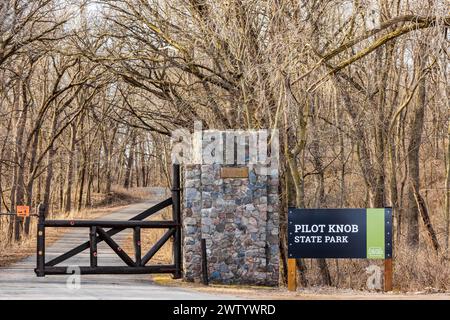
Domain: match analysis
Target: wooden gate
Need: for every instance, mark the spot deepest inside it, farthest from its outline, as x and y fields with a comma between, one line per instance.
x=97, y=234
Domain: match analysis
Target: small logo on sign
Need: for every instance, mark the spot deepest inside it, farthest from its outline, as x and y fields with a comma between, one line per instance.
x=375, y=252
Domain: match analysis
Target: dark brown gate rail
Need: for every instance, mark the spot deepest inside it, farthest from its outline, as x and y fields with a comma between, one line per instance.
x=97, y=234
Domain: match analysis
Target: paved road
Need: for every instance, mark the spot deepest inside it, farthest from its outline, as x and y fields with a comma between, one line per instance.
x=20, y=282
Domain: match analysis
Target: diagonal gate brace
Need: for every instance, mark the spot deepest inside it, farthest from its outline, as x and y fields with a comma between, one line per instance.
x=122, y=254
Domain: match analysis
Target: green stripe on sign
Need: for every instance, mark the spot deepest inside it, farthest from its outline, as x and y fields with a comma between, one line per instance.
x=375, y=233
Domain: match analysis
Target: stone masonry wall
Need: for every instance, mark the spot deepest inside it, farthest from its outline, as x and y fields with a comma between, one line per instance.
x=239, y=219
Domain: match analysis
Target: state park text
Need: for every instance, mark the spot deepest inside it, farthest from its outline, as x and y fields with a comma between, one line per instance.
x=322, y=228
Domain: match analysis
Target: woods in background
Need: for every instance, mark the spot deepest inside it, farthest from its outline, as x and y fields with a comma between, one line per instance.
x=91, y=90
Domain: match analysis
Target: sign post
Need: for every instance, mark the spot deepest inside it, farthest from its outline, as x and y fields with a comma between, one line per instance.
x=292, y=275
x=340, y=233
x=388, y=274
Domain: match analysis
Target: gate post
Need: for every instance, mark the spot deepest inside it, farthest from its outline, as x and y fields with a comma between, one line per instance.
x=176, y=212
x=137, y=246
x=40, y=248
x=93, y=246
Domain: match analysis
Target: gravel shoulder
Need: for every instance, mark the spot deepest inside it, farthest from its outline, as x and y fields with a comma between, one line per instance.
x=313, y=293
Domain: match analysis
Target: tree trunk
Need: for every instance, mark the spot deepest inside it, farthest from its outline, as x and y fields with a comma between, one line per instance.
x=108, y=146
x=70, y=167
x=412, y=213
x=320, y=200
x=143, y=165
x=130, y=161
x=426, y=221
x=297, y=178
x=30, y=183
x=90, y=181
x=18, y=189
x=82, y=179
x=50, y=159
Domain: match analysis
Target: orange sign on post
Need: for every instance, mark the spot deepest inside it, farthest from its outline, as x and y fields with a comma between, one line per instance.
x=23, y=211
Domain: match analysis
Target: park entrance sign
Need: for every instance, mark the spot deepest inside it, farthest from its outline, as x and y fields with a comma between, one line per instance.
x=340, y=233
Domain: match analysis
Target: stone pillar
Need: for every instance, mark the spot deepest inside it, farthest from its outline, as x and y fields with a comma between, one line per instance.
x=192, y=222
x=239, y=218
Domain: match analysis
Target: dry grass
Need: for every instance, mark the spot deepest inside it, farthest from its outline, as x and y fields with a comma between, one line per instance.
x=421, y=270
x=15, y=251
